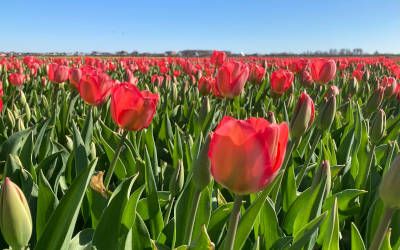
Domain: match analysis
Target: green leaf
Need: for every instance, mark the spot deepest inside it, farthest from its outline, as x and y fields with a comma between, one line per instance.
x=103, y=237
x=47, y=203
x=303, y=236
x=218, y=220
x=345, y=199
x=246, y=223
x=269, y=224
x=62, y=222
x=329, y=233
x=203, y=241
x=82, y=241
x=356, y=239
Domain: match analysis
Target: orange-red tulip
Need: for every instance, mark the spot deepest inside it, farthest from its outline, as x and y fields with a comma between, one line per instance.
x=16, y=79
x=131, y=108
x=245, y=155
x=95, y=88
x=281, y=81
x=58, y=73
x=323, y=70
x=231, y=78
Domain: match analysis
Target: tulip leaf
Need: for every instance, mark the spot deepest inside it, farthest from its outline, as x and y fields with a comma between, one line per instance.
x=218, y=220
x=82, y=241
x=329, y=232
x=61, y=224
x=203, y=242
x=304, y=234
x=46, y=204
x=246, y=223
x=269, y=224
x=103, y=237
x=81, y=157
x=356, y=239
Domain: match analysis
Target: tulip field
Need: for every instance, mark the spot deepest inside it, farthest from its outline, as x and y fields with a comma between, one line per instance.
x=199, y=153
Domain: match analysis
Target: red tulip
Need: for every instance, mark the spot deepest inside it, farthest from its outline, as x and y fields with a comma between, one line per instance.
x=94, y=88
x=390, y=85
x=1, y=89
x=75, y=76
x=131, y=108
x=218, y=58
x=1, y=104
x=306, y=78
x=281, y=81
x=205, y=85
x=323, y=70
x=231, y=78
x=16, y=79
x=257, y=74
x=358, y=74
x=245, y=155
x=58, y=73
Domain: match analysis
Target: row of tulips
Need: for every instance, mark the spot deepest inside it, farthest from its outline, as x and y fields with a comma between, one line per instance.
x=199, y=153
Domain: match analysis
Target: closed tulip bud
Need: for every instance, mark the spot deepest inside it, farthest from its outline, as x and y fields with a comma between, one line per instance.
x=22, y=97
x=390, y=185
x=353, y=86
x=323, y=174
x=11, y=118
x=93, y=150
x=327, y=113
x=303, y=116
x=374, y=101
x=45, y=102
x=27, y=112
x=20, y=125
x=177, y=180
x=201, y=167
x=70, y=143
x=15, y=216
x=205, y=109
x=378, y=126
x=174, y=92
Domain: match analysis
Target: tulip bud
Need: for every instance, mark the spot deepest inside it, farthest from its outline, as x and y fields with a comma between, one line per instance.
x=20, y=125
x=93, y=150
x=374, y=101
x=390, y=185
x=177, y=181
x=70, y=143
x=201, y=167
x=11, y=117
x=303, y=116
x=15, y=216
x=323, y=174
x=378, y=126
x=205, y=109
x=327, y=113
x=353, y=86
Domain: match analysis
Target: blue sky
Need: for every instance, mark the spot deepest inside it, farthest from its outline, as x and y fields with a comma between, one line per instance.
x=236, y=25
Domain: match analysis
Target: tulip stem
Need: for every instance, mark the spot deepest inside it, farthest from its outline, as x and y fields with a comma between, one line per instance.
x=233, y=224
x=114, y=160
x=192, y=216
x=169, y=209
x=304, y=169
x=382, y=228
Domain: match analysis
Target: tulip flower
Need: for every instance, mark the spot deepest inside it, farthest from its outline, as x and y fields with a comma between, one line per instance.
x=306, y=78
x=358, y=74
x=246, y=155
x=390, y=85
x=131, y=108
x=281, y=81
x=16, y=79
x=303, y=116
x=205, y=84
x=58, y=73
x=15, y=216
x=94, y=88
x=323, y=70
x=75, y=76
x=257, y=74
x=231, y=78
x=218, y=58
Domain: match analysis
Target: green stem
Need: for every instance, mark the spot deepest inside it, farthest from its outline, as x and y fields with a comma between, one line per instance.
x=192, y=216
x=305, y=168
x=233, y=223
x=114, y=161
x=370, y=160
x=382, y=229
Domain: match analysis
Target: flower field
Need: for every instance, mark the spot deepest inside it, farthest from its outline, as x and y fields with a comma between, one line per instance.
x=199, y=153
